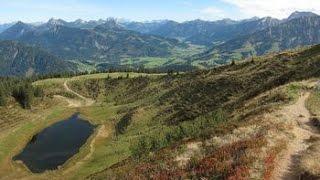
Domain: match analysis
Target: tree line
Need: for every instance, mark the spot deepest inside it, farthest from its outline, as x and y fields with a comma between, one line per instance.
x=22, y=91
x=116, y=70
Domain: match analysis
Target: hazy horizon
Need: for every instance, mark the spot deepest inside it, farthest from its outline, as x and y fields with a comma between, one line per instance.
x=143, y=21
x=31, y=11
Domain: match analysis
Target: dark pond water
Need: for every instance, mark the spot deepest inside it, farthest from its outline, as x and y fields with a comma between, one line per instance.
x=54, y=145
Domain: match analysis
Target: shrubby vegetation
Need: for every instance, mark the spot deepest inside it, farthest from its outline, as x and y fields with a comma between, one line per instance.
x=201, y=128
x=198, y=105
x=19, y=89
x=186, y=101
x=24, y=94
x=124, y=122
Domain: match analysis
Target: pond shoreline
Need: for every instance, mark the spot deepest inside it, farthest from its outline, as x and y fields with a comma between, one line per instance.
x=44, y=152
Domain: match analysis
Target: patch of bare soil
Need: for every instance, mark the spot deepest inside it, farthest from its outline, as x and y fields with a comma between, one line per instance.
x=71, y=102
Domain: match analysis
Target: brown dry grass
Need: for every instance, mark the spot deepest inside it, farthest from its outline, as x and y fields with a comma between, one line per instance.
x=310, y=161
x=309, y=164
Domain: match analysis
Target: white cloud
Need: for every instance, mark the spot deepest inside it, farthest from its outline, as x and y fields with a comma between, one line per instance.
x=274, y=8
x=212, y=13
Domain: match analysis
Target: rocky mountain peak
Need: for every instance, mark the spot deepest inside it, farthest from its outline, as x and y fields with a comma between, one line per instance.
x=56, y=22
x=300, y=14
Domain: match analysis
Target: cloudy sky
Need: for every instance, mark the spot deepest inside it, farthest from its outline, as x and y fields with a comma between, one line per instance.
x=142, y=10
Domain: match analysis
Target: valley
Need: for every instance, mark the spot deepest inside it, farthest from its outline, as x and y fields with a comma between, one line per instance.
x=161, y=46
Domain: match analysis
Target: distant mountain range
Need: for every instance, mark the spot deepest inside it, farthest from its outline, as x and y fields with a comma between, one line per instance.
x=203, y=32
x=234, y=40
x=196, y=32
x=3, y=27
x=79, y=23
x=17, y=59
x=110, y=41
x=293, y=33
x=210, y=32
x=105, y=42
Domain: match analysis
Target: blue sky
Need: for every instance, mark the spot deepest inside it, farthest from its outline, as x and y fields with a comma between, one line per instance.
x=142, y=10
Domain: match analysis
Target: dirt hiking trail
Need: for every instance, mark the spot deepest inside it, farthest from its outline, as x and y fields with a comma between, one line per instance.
x=302, y=130
x=75, y=102
x=87, y=101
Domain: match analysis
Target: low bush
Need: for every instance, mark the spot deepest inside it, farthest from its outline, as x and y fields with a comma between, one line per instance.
x=200, y=128
x=231, y=161
x=20, y=89
x=124, y=122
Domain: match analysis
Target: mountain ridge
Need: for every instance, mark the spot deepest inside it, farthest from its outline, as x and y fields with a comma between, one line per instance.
x=113, y=43
x=76, y=43
x=17, y=59
x=211, y=32
x=297, y=32
x=155, y=27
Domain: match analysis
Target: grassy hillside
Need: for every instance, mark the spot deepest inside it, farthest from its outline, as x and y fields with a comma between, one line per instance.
x=197, y=106
x=186, y=103
x=208, y=123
